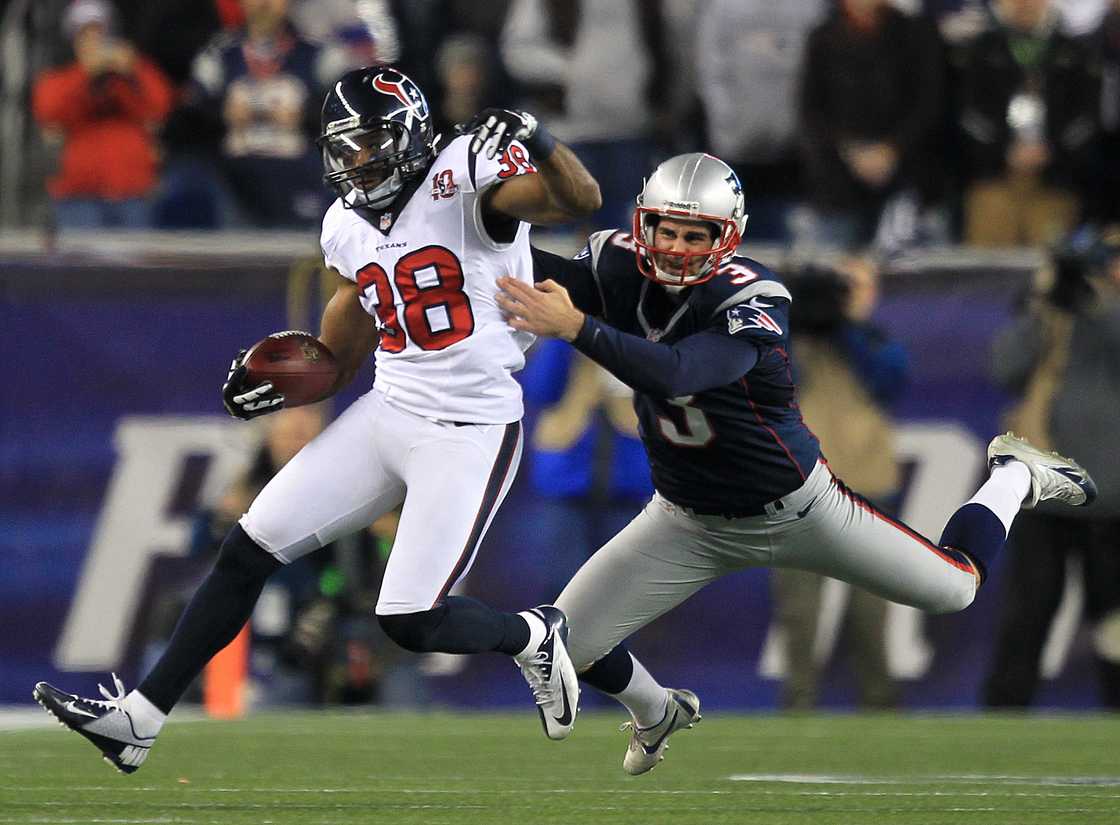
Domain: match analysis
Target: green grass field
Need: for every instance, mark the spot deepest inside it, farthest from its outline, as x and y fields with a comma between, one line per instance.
x=310, y=768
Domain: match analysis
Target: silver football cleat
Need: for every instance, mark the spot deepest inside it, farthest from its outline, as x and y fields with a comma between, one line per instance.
x=1053, y=477
x=648, y=745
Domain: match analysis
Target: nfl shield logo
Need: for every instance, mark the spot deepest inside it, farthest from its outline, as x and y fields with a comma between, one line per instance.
x=386, y=221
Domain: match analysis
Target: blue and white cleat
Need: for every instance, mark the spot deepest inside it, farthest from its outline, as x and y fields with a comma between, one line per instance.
x=1053, y=477
x=648, y=745
x=551, y=675
x=104, y=723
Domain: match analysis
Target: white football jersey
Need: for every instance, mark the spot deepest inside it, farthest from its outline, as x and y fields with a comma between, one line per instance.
x=429, y=281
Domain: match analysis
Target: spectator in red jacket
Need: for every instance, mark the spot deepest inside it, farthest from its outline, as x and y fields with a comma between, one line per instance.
x=103, y=109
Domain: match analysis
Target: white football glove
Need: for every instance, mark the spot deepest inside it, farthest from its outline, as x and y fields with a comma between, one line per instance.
x=495, y=129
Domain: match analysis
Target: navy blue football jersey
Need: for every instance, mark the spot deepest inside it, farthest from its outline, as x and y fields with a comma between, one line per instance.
x=729, y=449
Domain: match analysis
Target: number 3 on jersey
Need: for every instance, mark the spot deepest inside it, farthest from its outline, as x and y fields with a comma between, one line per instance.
x=437, y=312
x=687, y=428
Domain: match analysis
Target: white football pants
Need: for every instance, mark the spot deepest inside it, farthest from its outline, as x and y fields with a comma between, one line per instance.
x=667, y=553
x=368, y=461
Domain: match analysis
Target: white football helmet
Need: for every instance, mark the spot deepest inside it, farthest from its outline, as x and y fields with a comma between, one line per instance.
x=693, y=187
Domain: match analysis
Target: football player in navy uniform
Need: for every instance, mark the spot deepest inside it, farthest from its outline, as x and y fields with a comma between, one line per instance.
x=417, y=238
x=702, y=335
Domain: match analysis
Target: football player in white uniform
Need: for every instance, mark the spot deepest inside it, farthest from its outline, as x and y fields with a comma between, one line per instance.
x=418, y=237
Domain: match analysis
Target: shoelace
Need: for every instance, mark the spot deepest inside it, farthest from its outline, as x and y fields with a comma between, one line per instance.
x=111, y=702
x=635, y=730
x=636, y=741
x=534, y=671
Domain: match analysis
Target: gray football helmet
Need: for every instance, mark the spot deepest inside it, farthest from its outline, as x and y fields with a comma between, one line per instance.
x=692, y=187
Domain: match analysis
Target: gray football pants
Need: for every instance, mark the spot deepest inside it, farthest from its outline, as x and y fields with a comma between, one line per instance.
x=667, y=553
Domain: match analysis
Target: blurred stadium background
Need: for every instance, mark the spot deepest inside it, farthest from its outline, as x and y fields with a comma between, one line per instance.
x=128, y=283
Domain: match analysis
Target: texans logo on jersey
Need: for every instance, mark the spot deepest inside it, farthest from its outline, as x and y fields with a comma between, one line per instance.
x=752, y=315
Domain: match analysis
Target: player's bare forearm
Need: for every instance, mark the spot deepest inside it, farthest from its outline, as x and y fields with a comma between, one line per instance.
x=347, y=331
x=571, y=188
x=560, y=191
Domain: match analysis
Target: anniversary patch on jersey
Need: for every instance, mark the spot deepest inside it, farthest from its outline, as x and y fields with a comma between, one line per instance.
x=752, y=315
x=444, y=185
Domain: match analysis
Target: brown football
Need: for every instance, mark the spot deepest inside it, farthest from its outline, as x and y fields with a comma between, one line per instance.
x=297, y=364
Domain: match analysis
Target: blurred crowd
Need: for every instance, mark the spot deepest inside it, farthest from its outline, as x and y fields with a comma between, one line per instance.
x=852, y=123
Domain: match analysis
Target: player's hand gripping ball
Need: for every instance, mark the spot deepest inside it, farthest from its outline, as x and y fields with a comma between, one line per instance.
x=286, y=369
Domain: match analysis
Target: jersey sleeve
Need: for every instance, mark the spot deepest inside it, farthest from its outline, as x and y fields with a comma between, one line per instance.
x=331, y=241
x=759, y=312
x=702, y=361
x=484, y=172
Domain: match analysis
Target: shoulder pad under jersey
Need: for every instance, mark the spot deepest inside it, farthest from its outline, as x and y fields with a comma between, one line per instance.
x=611, y=251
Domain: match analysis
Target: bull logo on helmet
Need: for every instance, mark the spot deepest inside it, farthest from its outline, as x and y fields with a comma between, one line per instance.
x=404, y=90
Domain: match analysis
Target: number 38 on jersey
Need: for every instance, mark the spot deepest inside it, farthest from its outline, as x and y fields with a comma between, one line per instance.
x=436, y=310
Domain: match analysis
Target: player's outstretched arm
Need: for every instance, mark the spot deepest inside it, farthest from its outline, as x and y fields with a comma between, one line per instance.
x=347, y=331
x=574, y=274
x=702, y=361
x=562, y=189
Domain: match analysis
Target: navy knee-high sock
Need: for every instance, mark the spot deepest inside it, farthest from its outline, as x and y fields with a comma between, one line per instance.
x=976, y=531
x=217, y=612
x=612, y=673
x=459, y=624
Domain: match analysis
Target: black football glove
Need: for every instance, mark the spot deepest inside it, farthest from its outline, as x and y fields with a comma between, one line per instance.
x=495, y=129
x=244, y=403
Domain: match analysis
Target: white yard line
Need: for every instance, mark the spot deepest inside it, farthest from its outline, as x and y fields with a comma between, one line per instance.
x=968, y=778
x=397, y=790
x=50, y=820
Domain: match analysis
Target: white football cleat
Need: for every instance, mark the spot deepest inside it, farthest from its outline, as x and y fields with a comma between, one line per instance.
x=550, y=673
x=648, y=745
x=1053, y=477
x=104, y=723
